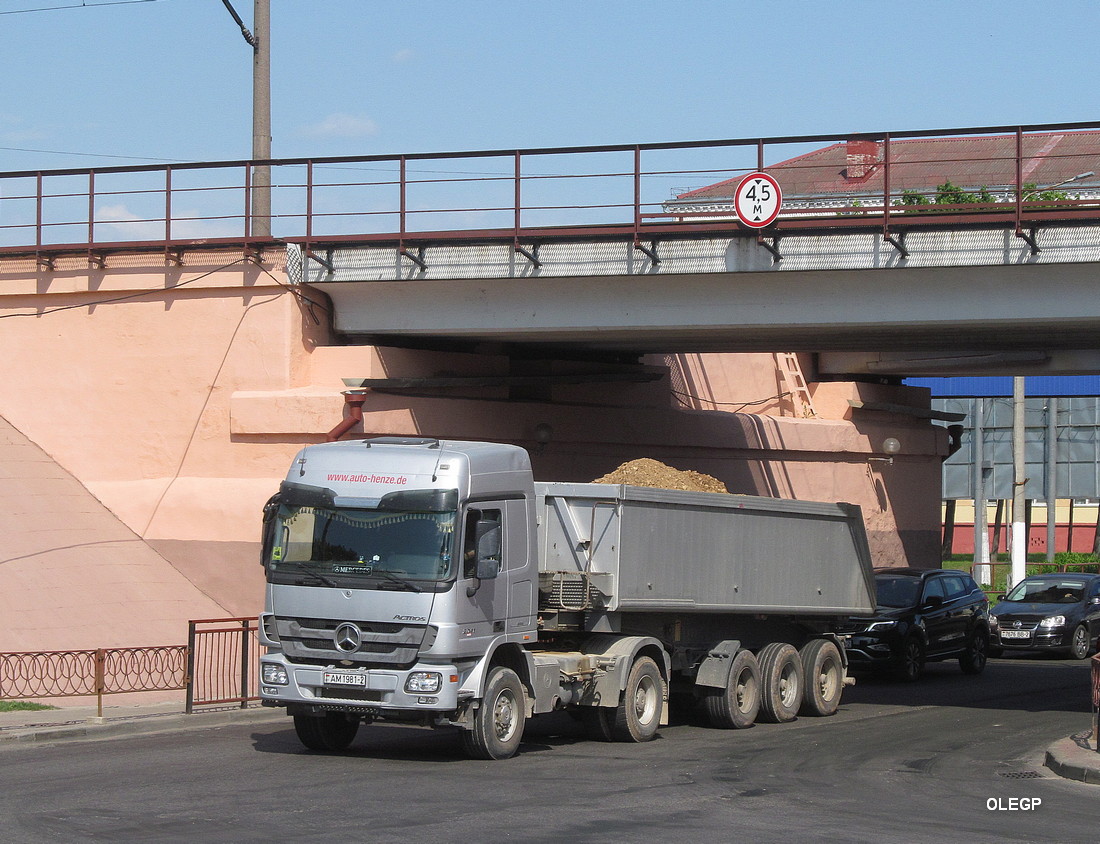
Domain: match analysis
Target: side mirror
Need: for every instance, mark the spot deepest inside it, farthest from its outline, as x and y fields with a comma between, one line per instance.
x=934, y=601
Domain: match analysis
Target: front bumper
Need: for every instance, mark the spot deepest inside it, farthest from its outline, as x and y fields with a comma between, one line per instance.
x=1038, y=639
x=377, y=690
x=865, y=651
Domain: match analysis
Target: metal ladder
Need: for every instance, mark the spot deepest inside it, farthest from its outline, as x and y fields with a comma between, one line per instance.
x=795, y=383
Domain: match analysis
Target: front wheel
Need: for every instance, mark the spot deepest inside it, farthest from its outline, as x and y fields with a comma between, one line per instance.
x=498, y=722
x=824, y=673
x=911, y=665
x=332, y=731
x=1079, y=644
x=638, y=714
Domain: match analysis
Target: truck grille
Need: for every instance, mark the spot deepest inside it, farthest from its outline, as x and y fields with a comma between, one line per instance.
x=382, y=643
x=570, y=590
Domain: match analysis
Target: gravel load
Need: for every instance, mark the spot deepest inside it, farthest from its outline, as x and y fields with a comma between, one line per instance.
x=653, y=473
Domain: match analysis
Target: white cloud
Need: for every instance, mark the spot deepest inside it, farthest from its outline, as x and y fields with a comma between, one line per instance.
x=341, y=125
x=403, y=56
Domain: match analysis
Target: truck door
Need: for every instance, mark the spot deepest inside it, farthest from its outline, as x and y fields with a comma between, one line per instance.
x=482, y=610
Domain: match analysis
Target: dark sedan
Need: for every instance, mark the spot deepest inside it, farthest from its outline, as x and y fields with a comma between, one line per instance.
x=924, y=615
x=1054, y=612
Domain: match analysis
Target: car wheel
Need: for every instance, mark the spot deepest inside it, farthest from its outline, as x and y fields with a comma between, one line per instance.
x=912, y=660
x=1080, y=644
x=973, y=659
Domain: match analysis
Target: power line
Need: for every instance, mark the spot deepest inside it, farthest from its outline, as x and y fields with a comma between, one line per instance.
x=81, y=5
x=91, y=154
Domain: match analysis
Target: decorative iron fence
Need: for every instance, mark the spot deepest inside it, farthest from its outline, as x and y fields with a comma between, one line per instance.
x=217, y=665
x=98, y=672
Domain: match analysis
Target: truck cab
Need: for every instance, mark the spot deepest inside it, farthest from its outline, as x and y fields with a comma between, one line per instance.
x=396, y=569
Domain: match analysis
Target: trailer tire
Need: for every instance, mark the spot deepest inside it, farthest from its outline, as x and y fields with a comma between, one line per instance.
x=638, y=714
x=737, y=705
x=499, y=721
x=781, y=681
x=823, y=670
x=331, y=732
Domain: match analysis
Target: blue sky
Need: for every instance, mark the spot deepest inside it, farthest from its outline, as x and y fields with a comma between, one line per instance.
x=164, y=80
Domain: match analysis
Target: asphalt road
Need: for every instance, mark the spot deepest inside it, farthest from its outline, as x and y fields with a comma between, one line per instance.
x=953, y=758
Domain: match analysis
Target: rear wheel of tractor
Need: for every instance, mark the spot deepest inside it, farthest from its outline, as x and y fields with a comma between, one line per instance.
x=638, y=714
x=823, y=670
x=597, y=722
x=332, y=731
x=781, y=680
x=499, y=721
x=736, y=706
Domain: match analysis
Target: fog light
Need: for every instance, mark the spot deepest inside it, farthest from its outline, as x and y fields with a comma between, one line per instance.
x=273, y=674
x=423, y=682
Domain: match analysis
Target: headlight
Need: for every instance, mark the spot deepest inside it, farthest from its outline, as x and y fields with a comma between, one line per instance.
x=881, y=625
x=273, y=674
x=993, y=622
x=1053, y=621
x=424, y=683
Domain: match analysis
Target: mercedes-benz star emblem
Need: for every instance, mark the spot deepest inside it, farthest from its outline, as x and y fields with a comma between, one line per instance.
x=348, y=638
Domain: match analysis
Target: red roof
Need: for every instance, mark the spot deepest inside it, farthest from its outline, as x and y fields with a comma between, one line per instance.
x=972, y=162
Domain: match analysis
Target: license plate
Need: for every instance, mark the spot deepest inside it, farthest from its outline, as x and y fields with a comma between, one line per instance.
x=1015, y=634
x=345, y=678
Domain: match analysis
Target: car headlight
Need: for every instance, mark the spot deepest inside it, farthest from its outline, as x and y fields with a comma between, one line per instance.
x=273, y=674
x=1053, y=621
x=881, y=625
x=423, y=682
x=993, y=622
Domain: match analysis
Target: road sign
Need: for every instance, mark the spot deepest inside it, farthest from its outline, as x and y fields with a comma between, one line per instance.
x=758, y=200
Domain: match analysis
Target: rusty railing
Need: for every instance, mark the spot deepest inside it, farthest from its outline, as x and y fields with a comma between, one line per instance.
x=222, y=662
x=527, y=196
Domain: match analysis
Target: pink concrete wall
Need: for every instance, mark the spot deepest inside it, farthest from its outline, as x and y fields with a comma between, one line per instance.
x=177, y=396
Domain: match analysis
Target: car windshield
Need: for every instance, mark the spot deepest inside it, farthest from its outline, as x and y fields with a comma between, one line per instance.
x=336, y=546
x=896, y=591
x=1047, y=591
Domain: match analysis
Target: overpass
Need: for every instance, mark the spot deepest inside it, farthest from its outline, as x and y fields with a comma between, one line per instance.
x=592, y=251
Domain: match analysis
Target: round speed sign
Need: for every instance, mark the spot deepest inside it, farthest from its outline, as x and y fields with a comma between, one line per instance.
x=758, y=200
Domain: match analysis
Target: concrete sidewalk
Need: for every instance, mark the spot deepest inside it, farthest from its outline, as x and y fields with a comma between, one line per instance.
x=84, y=723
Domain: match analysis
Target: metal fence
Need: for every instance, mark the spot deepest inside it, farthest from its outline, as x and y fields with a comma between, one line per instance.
x=216, y=666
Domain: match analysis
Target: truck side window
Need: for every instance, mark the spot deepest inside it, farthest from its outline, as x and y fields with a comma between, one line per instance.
x=469, y=545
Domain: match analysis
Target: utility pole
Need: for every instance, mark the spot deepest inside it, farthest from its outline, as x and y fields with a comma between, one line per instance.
x=260, y=41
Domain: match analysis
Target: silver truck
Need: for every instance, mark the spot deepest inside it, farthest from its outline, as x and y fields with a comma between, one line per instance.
x=436, y=582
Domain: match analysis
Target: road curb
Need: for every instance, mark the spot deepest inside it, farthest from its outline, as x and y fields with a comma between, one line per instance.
x=1073, y=758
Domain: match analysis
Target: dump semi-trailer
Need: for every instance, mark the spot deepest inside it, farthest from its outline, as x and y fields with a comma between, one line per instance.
x=436, y=582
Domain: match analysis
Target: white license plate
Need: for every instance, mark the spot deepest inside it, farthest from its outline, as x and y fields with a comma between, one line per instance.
x=345, y=678
x=1015, y=634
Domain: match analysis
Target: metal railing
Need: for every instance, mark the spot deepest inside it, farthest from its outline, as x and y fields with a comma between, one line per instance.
x=222, y=662
x=99, y=672
x=525, y=195
x=216, y=666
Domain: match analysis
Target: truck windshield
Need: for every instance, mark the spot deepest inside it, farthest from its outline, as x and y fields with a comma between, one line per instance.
x=334, y=546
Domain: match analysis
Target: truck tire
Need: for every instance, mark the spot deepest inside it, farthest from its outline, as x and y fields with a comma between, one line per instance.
x=499, y=721
x=781, y=682
x=332, y=731
x=638, y=714
x=736, y=706
x=823, y=671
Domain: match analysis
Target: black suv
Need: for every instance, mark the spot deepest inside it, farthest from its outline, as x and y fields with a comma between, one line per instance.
x=1059, y=612
x=923, y=615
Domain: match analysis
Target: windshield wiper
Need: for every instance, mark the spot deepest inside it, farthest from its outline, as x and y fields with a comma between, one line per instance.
x=393, y=578
x=318, y=577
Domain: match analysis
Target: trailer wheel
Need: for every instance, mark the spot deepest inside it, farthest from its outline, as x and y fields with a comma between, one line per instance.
x=736, y=706
x=332, y=731
x=499, y=721
x=823, y=670
x=638, y=714
x=781, y=680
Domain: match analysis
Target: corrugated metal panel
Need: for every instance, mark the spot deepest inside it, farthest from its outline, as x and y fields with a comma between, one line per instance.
x=999, y=386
